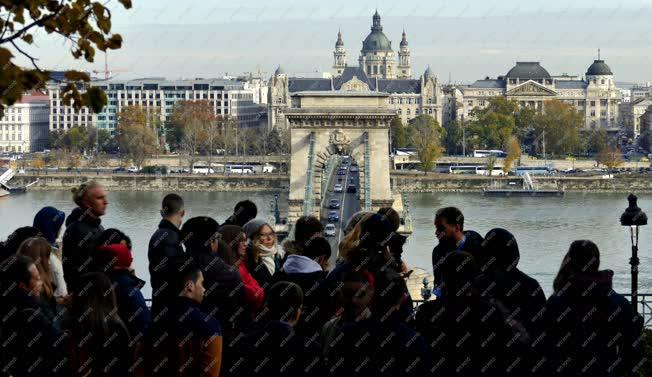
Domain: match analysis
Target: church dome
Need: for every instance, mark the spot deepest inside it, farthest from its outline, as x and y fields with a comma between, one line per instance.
x=376, y=40
x=528, y=71
x=599, y=68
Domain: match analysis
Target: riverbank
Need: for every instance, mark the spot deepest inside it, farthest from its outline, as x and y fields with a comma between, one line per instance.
x=401, y=182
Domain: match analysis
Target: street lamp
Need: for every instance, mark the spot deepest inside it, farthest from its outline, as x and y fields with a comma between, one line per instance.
x=633, y=217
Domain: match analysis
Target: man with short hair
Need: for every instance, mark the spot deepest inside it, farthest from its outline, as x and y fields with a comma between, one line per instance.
x=165, y=244
x=188, y=341
x=449, y=230
x=243, y=212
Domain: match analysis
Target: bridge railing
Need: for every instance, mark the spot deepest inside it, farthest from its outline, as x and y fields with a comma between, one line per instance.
x=331, y=163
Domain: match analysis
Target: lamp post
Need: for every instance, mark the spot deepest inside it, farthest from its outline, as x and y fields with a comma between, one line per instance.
x=277, y=213
x=633, y=217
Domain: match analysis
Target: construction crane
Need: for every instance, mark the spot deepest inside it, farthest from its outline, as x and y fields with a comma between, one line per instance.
x=107, y=73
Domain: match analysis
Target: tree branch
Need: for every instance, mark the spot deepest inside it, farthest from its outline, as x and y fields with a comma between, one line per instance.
x=27, y=55
x=38, y=22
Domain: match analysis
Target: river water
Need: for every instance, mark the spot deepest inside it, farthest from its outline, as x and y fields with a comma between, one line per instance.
x=544, y=227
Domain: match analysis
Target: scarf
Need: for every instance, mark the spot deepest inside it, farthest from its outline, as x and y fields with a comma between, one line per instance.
x=267, y=257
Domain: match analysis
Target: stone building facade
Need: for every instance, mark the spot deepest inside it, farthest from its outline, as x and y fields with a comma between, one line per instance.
x=378, y=71
x=24, y=126
x=631, y=114
x=529, y=84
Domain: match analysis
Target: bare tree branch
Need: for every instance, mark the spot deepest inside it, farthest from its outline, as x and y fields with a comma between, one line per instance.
x=27, y=55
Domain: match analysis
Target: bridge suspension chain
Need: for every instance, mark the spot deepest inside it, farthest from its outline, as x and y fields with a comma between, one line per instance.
x=367, y=173
x=309, y=196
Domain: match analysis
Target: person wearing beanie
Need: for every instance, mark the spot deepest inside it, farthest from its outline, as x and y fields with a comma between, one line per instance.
x=263, y=257
x=116, y=259
x=49, y=221
x=202, y=239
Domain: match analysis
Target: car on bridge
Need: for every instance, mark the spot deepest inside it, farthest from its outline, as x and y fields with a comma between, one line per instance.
x=338, y=187
x=334, y=204
x=354, y=169
x=329, y=231
x=341, y=172
x=333, y=216
x=351, y=189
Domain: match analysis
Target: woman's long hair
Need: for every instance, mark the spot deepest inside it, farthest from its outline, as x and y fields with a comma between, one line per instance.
x=39, y=249
x=583, y=256
x=230, y=237
x=351, y=240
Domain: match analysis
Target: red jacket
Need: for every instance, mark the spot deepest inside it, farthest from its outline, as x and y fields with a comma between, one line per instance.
x=254, y=294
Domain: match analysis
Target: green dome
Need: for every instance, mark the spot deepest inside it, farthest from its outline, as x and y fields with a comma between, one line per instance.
x=599, y=68
x=376, y=40
x=528, y=71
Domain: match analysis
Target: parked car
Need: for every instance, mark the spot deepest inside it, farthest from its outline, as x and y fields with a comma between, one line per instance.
x=120, y=169
x=334, y=204
x=338, y=187
x=329, y=231
x=333, y=216
x=133, y=169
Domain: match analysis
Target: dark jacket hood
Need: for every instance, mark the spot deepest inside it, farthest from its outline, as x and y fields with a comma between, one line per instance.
x=590, y=284
x=499, y=250
x=48, y=221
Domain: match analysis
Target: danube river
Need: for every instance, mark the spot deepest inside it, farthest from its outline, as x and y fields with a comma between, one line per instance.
x=544, y=227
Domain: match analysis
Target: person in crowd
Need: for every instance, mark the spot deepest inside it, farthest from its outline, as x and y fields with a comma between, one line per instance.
x=236, y=242
x=276, y=349
x=397, y=241
x=27, y=336
x=188, y=342
x=243, y=212
x=82, y=226
x=305, y=228
x=13, y=241
x=309, y=271
x=48, y=221
x=516, y=295
x=588, y=329
x=264, y=257
x=464, y=330
x=39, y=250
x=114, y=258
x=98, y=342
x=449, y=229
x=201, y=237
x=164, y=244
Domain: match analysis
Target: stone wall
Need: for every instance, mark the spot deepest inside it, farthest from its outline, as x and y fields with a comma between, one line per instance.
x=443, y=183
x=249, y=183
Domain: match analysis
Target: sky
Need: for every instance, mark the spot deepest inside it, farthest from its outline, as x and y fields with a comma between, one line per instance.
x=461, y=40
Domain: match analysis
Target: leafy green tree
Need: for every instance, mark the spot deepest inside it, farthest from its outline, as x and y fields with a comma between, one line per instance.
x=78, y=139
x=426, y=138
x=596, y=140
x=86, y=24
x=493, y=125
x=561, y=123
x=453, y=137
x=400, y=134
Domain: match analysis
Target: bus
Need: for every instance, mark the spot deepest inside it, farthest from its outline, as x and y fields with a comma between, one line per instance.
x=202, y=169
x=478, y=170
x=489, y=152
x=533, y=170
x=240, y=169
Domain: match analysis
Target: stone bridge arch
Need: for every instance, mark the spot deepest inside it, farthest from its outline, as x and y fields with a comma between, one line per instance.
x=322, y=125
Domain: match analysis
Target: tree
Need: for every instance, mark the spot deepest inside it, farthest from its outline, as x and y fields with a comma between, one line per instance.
x=38, y=163
x=561, y=124
x=453, y=137
x=524, y=124
x=609, y=156
x=491, y=163
x=86, y=24
x=136, y=138
x=78, y=139
x=493, y=125
x=426, y=138
x=197, y=120
x=400, y=133
x=596, y=140
x=513, y=153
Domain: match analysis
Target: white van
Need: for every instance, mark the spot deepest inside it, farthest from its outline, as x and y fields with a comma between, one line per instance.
x=202, y=169
x=267, y=168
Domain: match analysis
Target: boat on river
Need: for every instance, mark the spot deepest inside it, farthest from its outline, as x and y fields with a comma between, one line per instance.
x=528, y=189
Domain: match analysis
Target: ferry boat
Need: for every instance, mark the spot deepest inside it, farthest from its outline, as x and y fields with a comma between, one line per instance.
x=528, y=189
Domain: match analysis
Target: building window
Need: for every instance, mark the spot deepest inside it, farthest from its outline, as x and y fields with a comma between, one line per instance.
x=603, y=102
x=592, y=113
x=470, y=103
x=482, y=102
x=592, y=103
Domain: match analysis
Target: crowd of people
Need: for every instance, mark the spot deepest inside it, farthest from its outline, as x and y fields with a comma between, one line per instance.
x=229, y=300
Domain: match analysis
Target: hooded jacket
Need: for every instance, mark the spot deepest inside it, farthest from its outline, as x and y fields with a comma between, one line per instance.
x=164, y=245
x=318, y=303
x=589, y=329
x=82, y=228
x=132, y=307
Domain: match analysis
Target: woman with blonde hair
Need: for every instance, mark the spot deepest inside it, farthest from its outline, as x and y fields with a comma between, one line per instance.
x=263, y=255
x=39, y=249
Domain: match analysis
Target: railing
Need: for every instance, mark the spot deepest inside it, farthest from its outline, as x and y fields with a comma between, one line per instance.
x=367, y=173
x=331, y=163
x=308, y=196
x=644, y=306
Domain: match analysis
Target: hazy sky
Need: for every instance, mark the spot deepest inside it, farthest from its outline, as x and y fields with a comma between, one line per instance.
x=463, y=39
